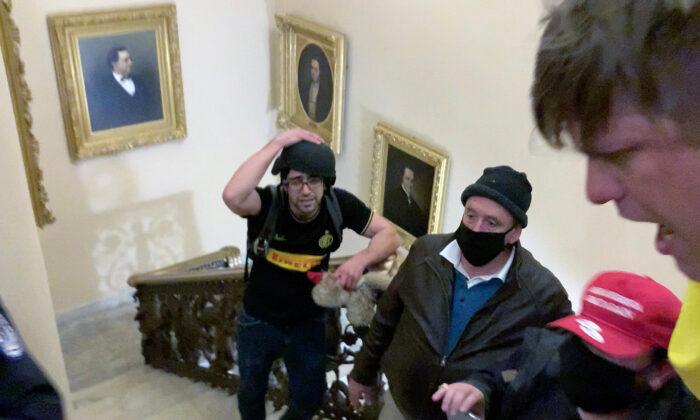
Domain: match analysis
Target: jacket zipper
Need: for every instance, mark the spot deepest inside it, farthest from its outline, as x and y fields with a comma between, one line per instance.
x=443, y=359
x=445, y=356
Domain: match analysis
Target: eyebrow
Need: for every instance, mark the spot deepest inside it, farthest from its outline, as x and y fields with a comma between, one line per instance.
x=488, y=217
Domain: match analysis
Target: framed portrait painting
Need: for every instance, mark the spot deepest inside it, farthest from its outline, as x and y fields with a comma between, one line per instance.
x=312, y=78
x=119, y=78
x=408, y=182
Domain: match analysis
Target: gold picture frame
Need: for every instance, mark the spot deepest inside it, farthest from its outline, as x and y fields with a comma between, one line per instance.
x=94, y=52
x=312, y=65
x=408, y=182
x=21, y=96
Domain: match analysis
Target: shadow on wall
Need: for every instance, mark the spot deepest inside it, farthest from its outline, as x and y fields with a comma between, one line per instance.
x=106, y=232
x=140, y=238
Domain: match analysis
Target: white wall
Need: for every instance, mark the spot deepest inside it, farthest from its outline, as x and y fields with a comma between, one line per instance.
x=160, y=204
x=24, y=286
x=457, y=75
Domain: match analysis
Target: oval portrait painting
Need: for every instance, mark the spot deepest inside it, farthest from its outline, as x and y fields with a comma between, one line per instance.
x=315, y=83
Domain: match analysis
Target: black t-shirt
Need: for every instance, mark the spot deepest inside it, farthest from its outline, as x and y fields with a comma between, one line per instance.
x=278, y=290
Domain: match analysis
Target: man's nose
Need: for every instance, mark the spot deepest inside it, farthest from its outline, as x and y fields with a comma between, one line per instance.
x=478, y=226
x=602, y=184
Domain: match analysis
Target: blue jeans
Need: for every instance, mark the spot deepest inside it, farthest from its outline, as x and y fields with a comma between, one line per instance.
x=302, y=347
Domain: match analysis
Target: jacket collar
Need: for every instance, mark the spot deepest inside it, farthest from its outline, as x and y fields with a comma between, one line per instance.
x=452, y=253
x=444, y=271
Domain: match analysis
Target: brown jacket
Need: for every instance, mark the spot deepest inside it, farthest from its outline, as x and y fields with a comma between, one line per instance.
x=409, y=332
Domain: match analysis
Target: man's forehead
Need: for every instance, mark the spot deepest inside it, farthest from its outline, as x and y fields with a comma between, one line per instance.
x=625, y=123
x=294, y=173
x=487, y=207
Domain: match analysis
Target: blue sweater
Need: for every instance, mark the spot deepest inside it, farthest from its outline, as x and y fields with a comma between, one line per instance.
x=465, y=303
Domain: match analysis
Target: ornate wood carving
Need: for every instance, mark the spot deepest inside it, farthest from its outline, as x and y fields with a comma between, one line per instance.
x=187, y=316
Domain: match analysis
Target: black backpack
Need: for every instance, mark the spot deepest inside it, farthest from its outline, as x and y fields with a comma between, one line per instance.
x=257, y=247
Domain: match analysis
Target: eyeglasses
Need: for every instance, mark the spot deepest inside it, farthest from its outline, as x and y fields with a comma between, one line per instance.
x=297, y=183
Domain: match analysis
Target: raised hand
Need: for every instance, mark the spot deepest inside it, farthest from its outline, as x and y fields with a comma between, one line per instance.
x=295, y=135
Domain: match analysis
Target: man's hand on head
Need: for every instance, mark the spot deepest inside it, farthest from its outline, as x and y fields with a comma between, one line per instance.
x=293, y=136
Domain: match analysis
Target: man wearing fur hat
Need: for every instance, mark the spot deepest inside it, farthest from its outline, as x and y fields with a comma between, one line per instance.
x=460, y=301
x=279, y=317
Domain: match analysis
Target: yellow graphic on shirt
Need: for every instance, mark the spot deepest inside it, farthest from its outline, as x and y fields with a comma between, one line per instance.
x=294, y=262
x=326, y=240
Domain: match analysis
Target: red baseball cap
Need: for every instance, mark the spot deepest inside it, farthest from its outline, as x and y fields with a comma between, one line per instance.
x=624, y=314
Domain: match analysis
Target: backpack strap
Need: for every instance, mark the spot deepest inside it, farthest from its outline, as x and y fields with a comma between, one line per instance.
x=333, y=207
x=258, y=247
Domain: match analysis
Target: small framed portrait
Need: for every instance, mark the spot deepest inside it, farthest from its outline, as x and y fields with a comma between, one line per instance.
x=119, y=78
x=408, y=182
x=312, y=78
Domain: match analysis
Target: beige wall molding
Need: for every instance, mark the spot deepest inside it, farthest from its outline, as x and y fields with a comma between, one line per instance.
x=21, y=95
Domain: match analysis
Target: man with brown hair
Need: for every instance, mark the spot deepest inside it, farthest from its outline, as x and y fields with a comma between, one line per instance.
x=622, y=79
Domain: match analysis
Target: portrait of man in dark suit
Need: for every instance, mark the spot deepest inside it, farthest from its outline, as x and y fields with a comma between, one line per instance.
x=407, y=192
x=118, y=96
x=315, y=83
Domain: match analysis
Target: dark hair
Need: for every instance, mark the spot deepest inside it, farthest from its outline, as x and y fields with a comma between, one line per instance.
x=403, y=171
x=113, y=55
x=593, y=50
x=313, y=52
x=284, y=173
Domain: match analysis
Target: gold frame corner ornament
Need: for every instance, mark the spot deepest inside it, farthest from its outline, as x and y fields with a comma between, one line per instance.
x=65, y=31
x=296, y=34
x=386, y=136
x=21, y=96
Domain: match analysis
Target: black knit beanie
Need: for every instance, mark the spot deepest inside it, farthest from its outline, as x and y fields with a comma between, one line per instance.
x=507, y=187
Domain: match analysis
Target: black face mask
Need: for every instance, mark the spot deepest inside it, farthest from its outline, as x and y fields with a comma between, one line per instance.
x=594, y=384
x=479, y=248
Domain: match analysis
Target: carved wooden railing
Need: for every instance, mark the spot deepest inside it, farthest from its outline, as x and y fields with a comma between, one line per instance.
x=187, y=317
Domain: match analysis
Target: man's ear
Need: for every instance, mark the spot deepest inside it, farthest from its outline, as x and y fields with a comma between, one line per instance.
x=514, y=235
x=659, y=374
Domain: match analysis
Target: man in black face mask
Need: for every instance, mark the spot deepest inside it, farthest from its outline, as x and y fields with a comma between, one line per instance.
x=460, y=301
x=607, y=363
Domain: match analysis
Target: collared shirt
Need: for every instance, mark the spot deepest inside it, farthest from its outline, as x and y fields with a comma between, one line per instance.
x=408, y=194
x=313, y=95
x=453, y=254
x=126, y=83
x=469, y=294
